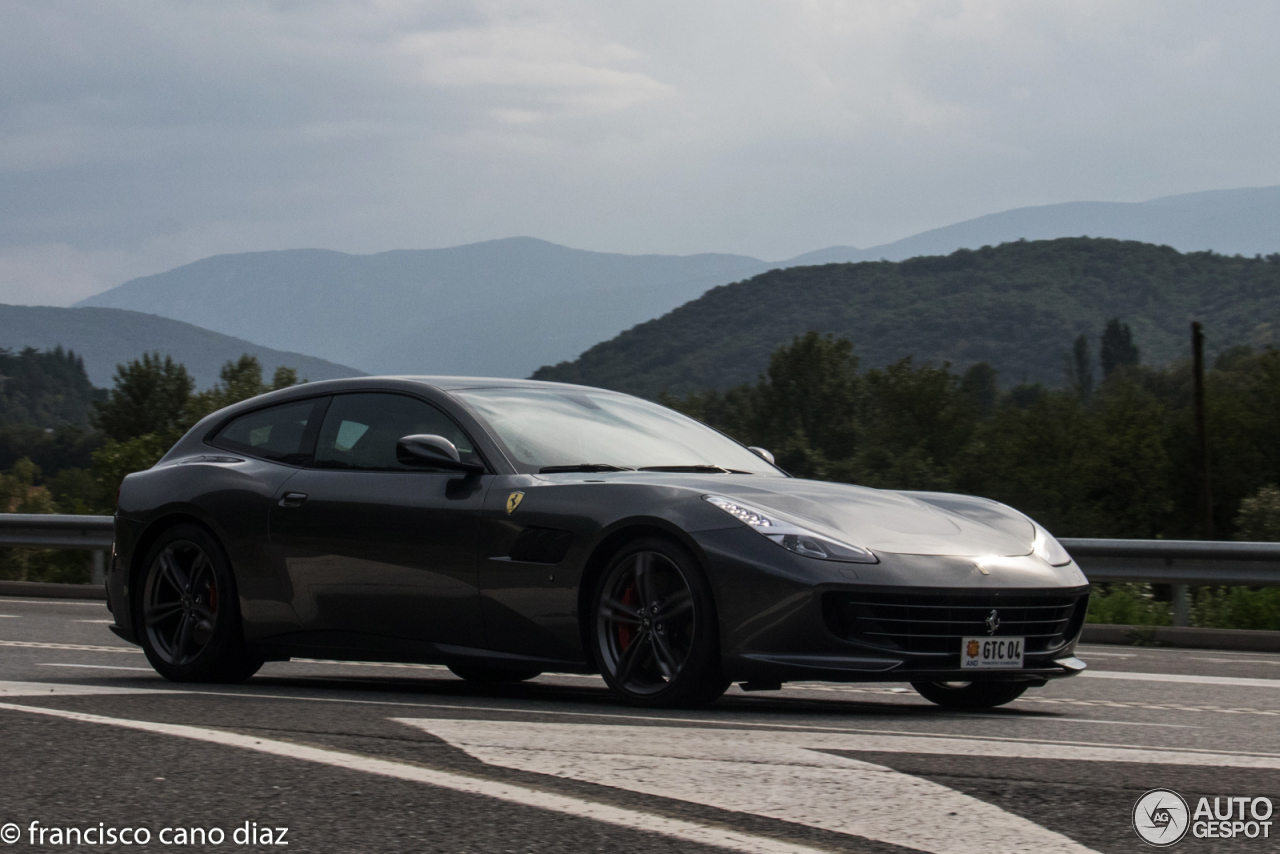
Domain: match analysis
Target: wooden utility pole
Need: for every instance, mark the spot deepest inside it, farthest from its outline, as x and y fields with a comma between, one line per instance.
x=1202, y=433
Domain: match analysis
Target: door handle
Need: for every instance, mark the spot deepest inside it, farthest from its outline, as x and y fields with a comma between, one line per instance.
x=293, y=499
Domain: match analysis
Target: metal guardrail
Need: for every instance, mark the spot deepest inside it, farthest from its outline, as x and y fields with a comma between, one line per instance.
x=54, y=531
x=1200, y=562
x=1181, y=563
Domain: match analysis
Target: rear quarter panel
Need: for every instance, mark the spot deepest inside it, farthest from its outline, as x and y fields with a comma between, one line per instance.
x=233, y=500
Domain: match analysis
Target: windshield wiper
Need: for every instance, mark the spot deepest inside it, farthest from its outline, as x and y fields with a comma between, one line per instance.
x=586, y=467
x=694, y=469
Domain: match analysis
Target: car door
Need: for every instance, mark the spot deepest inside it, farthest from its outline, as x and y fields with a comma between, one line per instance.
x=376, y=550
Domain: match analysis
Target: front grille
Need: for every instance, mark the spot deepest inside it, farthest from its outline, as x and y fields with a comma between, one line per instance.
x=933, y=622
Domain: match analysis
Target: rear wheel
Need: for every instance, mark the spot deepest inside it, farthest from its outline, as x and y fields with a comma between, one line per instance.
x=472, y=673
x=189, y=609
x=970, y=695
x=655, y=633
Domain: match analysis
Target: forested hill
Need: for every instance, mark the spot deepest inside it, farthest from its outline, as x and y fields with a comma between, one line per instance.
x=1018, y=306
x=45, y=389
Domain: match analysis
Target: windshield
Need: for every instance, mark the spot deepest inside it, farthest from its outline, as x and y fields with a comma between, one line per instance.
x=601, y=431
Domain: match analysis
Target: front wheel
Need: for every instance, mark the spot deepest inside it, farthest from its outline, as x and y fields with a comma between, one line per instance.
x=189, y=610
x=655, y=635
x=970, y=695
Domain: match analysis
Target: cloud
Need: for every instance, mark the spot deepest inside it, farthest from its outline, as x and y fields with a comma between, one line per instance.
x=53, y=274
x=543, y=63
x=144, y=133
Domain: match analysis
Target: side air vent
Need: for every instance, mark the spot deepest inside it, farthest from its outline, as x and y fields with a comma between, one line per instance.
x=541, y=545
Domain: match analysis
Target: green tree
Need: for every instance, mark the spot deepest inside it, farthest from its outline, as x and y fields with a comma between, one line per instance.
x=913, y=423
x=1259, y=516
x=1030, y=457
x=239, y=380
x=1117, y=348
x=803, y=409
x=805, y=406
x=150, y=397
x=981, y=388
x=152, y=406
x=1079, y=369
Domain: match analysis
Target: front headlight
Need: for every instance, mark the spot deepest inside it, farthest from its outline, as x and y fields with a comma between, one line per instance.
x=791, y=537
x=1048, y=549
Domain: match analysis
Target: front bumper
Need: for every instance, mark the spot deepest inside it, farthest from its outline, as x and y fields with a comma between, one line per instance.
x=774, y=626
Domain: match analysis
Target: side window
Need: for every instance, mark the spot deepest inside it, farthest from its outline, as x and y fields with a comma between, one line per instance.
x=275, y=433
x=360, y=431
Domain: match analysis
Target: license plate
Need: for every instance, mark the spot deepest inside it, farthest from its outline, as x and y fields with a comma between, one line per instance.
x=991, y=653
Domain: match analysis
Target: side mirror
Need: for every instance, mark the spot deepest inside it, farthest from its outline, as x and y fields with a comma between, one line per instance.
x=762, y=454
x=431, y=451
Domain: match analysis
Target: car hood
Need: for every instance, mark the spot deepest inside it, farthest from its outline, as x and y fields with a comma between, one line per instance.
x=884, y=521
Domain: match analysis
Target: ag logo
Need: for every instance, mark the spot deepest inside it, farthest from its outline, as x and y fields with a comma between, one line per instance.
x=1161, y=817
x=513, y=501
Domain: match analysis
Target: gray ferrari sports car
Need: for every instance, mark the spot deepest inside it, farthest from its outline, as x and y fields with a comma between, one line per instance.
x=506, y=528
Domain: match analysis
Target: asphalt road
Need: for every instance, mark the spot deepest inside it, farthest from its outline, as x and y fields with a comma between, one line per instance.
x=390, y=758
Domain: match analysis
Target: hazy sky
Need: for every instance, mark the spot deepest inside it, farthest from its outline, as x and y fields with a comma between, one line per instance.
x=137, y=135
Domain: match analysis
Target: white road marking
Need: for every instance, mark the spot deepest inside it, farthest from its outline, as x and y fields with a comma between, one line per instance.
x=1238, y=660
x=80, y=646
x=899, y=741
x=525, y=710
x=11, y=616
x=23, y=600
x=100, y=667
x=635, y=820
x=1086, y=651
x=1163, y=707
x=105, y=622
x=775, y=775
x=44, y=689
x=1235, y=681
x=1079, y=721
x=367, y=663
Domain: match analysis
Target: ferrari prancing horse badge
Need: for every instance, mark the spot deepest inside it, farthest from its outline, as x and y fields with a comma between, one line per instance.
x=513, y=501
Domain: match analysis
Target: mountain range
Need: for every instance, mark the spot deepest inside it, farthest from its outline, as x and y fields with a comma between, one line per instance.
x=1018, y=306
x=1229, y=222
x=505, y=307
x=106, y=337
x=502, y=307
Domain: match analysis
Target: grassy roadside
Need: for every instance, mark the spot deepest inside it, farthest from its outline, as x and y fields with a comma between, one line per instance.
x=1211, y=607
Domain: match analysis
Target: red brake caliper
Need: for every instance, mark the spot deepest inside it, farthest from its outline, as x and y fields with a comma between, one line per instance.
x=624, y=631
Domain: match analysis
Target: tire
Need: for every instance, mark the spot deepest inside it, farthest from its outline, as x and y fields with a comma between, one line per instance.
x=188, y=610
x=473, y=673
x=970, y=695
x=665, y=655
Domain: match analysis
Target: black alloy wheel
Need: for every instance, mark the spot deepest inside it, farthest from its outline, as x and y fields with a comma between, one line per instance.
x=655, y=633
x=475, y=673
x=190, y=616
x=970, y=695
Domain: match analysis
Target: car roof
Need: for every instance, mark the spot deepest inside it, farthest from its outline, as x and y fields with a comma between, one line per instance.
x=443, y=384
x=460, y=383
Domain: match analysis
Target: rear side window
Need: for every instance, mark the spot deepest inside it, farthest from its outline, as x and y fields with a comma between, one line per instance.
x=275, y=433
x=361, y=430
